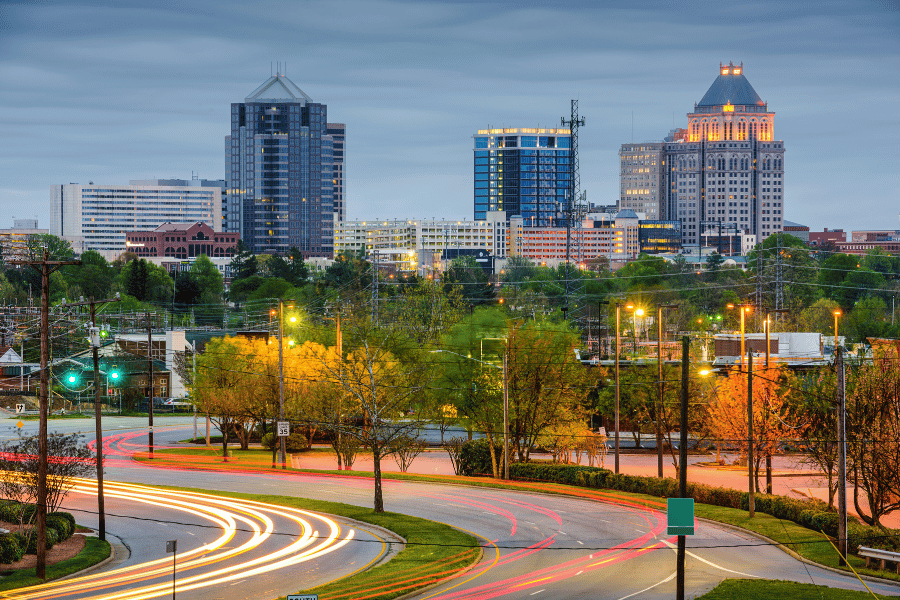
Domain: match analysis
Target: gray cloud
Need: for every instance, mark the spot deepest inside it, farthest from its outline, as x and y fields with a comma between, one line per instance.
x=109, y=91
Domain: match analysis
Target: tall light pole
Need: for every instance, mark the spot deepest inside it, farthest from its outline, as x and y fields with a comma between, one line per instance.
x=659, y=407
x=837, y=315
x=638, y=312
x=744, y=308
x=767, y=326
x=618, y=357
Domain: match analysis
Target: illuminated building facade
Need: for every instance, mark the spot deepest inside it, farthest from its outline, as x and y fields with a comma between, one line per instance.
x=280, y=161
x=522, y=172
x=642, y=174
x=727, y=165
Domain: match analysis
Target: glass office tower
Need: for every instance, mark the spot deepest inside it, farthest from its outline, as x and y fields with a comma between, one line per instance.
x=523, y=172
x=280, y=161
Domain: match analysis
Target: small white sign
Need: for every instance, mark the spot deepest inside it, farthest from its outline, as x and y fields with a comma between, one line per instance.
x=602, y=431
x=20, y=408
x=284, y=430
x=302, y=597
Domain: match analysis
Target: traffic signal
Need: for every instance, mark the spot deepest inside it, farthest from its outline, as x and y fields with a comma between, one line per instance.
x=72, y=378
x=114, y=373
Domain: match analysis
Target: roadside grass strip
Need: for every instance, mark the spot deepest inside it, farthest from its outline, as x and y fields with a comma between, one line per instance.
x=767, y=589
x=95, y=550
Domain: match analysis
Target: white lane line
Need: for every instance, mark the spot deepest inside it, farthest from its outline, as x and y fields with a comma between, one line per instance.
x=712, y=564
x=666, y=580
x=537, y=592
x=563, y=532
x=579, y=572
x=580, y=542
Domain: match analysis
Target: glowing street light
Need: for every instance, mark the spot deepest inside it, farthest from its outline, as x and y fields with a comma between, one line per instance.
x=745, y=309
x=837, y=315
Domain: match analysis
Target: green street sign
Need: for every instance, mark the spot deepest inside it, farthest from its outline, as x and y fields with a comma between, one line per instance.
x=680, y=516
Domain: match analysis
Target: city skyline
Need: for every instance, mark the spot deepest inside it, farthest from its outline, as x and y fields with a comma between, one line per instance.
x=99, y=91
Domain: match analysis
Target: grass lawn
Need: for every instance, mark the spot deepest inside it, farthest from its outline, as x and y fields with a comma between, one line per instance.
x=95, y=550
x=434, y=551
x=762, y=589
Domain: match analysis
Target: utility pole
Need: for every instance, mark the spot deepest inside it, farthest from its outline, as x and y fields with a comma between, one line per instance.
x=682, y=457
x=45, y=267
x=618, y=341
x=842, y=456
x=505, y=414
x=659, y=382
x=150, y=373
x=340, y=349
x=94, y=335
x=751, y=501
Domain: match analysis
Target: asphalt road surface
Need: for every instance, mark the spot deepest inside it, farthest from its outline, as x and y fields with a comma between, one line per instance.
x=535, y=545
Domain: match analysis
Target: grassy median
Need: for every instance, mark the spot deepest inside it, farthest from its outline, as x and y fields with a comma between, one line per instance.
x=764, y=589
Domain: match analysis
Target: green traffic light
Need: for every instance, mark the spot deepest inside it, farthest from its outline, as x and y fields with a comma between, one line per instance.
x=73, y=378
x=114, y=375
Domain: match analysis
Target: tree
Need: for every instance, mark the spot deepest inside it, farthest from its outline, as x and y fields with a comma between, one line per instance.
x=798, y=272
x=873, y=428
x=518, y=270
x=714, y=264
x=834, y=270
x=469, y=278
x=291, y=268
x=68, y=459
x=773, y=422
x=147, y=282
x=93, y=278
x=243, y=263
x=869, y=318
x=819, y=317
x=381, y=381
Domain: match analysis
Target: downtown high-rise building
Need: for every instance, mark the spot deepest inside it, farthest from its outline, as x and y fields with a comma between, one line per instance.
x=725, y=171
x=523, y=172
x=281, y=176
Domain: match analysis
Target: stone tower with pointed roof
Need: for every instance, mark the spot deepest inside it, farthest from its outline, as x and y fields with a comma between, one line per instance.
x=727, y=165
x=280, y=161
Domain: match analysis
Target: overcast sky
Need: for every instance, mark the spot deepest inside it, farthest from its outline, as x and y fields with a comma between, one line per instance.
x=109, y=91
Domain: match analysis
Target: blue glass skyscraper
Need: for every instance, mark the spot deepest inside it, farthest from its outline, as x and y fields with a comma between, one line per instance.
x=279, y=158
x=523, y=172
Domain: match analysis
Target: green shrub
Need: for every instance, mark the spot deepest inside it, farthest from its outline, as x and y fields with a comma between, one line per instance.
x=67, y=516
x=61, y=526
x=51, y=539
x=11, y=550
x=296, y=442
x=475, y=458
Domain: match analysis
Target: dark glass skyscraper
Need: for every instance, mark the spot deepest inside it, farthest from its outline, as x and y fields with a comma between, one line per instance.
x=522, y=171
x=280, y=157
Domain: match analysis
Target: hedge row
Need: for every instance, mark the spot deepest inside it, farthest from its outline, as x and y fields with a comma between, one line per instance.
x=812, y=514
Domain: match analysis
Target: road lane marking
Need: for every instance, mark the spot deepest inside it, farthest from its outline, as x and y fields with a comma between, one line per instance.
x=712, y=564
x=666, y=580
x=537, y=592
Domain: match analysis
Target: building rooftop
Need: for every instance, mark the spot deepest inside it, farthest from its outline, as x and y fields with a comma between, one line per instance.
x=731, y=87
x=278, y=88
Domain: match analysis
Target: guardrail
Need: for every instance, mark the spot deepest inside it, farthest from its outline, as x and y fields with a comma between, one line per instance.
x=883, y=556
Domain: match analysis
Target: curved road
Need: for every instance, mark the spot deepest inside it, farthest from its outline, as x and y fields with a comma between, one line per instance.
x=535, y=545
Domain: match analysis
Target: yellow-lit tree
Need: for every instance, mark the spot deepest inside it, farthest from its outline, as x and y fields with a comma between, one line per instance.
x=773, y=422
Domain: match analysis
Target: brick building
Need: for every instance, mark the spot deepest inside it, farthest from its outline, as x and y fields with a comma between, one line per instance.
x=182, y=240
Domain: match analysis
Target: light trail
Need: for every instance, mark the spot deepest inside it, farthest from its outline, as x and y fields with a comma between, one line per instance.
x=195, y=565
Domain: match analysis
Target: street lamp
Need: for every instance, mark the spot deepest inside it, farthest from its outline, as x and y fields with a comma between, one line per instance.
x=505, y=400
x=618, y=357
x=768, y=326
x=659, y=361
x=281, y=376
x=745, y=308
x=638, y=312
x=837, y=315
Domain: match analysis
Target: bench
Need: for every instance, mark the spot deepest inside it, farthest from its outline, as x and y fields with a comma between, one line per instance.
x=883, y=556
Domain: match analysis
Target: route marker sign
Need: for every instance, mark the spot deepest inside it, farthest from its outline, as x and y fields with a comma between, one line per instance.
x=302, y=597
x=680, y=516
x=20, y=408
x=284, y=430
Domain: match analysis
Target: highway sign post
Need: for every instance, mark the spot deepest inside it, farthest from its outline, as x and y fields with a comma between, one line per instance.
x=20, y=408
x=680, y=516
x=172, y=546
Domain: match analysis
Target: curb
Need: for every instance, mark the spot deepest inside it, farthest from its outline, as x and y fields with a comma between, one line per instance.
x=793, y=554
x=112, y=556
